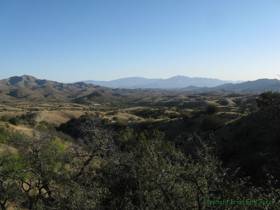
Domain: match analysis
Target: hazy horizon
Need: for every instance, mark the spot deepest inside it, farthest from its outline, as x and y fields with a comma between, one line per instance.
x=70, y=41
x=235, y=81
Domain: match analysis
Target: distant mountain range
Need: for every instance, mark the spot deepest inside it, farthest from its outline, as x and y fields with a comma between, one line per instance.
x=257, y=86
x=173, y=82
x=30, y=87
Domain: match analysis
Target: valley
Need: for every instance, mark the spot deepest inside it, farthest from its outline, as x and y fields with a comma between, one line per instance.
x=96, y=133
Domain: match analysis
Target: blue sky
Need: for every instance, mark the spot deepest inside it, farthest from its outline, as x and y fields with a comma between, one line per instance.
x=67, y=41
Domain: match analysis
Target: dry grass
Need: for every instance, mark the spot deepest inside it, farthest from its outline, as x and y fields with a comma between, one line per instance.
x=57, y=117
x=23, y=129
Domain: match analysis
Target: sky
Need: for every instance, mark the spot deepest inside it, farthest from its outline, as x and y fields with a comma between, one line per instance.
x=69, y=41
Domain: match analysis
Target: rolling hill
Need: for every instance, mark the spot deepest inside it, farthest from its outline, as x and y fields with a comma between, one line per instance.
x=32, y=88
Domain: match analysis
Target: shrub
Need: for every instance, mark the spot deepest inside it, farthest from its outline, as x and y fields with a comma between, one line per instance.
x=113, y=113
x=115, y=118
x=212, y=109
x=7, y=124
x=2, y=139
x=211, y=123
x=45, y=126
x=196, y=113
x=45, y=123
x=14, y=121
x=118, y=123
x=2, y=130
x=268, y=99
x=24, y=122
x=146, y=123
x=223, y=102
x=185, y=116
x=160, y=117
x=31, y=122
x=238, y=101
x=131, y=119
x=242, y=109
x=150, y=120
x=5, y=118
x=105, y=121
x=173, y=115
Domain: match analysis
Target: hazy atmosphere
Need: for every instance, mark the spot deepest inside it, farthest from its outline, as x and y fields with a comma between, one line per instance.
x=140, y=104
x=70, y=41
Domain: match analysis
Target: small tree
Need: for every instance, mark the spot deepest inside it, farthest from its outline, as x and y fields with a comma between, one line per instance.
x=212, y=109
x=211, y=123
x=5, y=118
x=223, y=102
x=269, y=99
x=15, y=120
x=131, y=119
x=173, y=115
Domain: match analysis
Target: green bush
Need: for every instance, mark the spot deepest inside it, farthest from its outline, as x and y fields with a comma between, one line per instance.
x=97, y=114
x=119, y=123
x=115, y=118
x=196, y=113
x=173, y=115
x=105, y=121
x=144, y=125
x=44, y=123
x=268, y=99
x=14, y=121
x=31, y=122
x=7, y=124
x=150, y=120
x=185, y=116
x=131, y=119
x=2, y=139
x=223, y=102
x=211, y=123
x=2, y=130
x=212, y=109
x=5, y=118
x=45, y=126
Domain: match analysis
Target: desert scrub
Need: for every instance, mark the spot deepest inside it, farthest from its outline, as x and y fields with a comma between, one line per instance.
x=223, y=102
x=115, y=112
x=131, y=119
x=212, y=109
x=119, y=123
x=45, y=126
x=5, y=118
x=150, y=119
x=197, y=113
x=173, y=115
x=147, y=123
x=185, y=116
x=160, y=117
x=105, y=121
x=211, y=122
x=14, y=121
x=115, y=118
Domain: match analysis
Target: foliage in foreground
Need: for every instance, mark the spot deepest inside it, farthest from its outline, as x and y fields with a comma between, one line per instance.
x=101, y=170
